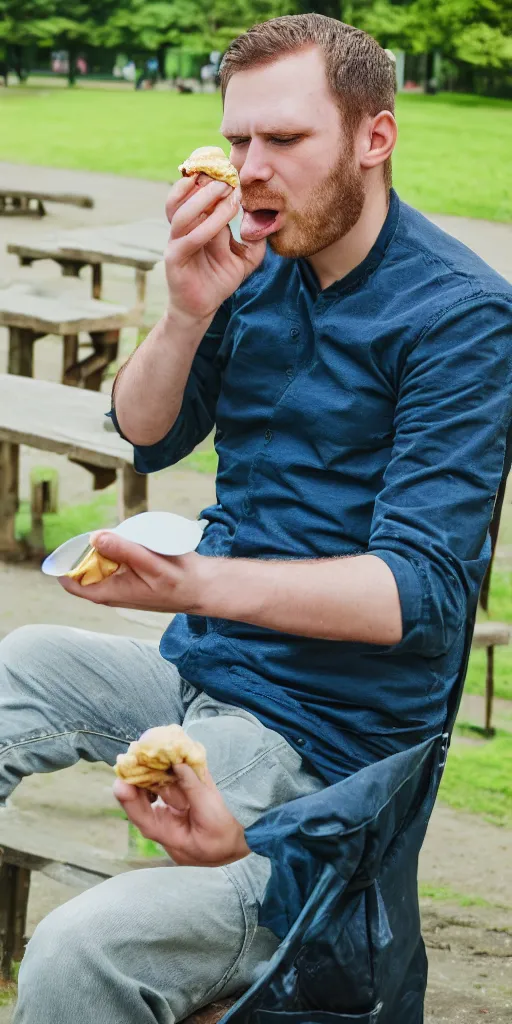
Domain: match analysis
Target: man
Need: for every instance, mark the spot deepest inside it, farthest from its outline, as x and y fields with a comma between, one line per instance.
x=356, y=363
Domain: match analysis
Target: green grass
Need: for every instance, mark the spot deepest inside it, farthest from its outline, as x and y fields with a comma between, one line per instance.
x=453, y=155
x=478, y=777
x=70, y=520
x=444, y=894
x=201, y=461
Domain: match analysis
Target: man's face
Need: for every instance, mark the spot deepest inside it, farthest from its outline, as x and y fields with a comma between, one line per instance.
x=302, y=186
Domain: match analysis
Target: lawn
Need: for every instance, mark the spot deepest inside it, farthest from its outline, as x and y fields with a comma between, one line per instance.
x=453, y=155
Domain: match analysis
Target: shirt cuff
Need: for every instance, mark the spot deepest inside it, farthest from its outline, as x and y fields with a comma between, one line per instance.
x=412, y=589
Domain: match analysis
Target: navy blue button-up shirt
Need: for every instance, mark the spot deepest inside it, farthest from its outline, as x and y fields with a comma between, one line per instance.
x=368, y=417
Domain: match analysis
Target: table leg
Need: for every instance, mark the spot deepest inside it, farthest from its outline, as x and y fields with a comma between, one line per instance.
x=14, y=890
x=9, y=475
x=140, y=285
x=97, y=280
x=489, y=692
x=21, y=351
x=70, y=353
x=134, y=491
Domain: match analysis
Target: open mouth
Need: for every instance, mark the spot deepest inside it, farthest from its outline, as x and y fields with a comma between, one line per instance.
x=257, y=224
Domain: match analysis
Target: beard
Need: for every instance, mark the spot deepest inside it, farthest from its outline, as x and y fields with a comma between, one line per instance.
x=330, y=210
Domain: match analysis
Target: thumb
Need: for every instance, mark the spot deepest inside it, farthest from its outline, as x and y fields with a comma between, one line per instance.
x=123, y=551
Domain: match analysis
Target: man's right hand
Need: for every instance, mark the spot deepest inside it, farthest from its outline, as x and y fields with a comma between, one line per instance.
x=204, y=265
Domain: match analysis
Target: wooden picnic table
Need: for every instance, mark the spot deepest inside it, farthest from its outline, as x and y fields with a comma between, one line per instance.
x=139, y=244
x=69, y=421
x=30, y=202
x=30, y=311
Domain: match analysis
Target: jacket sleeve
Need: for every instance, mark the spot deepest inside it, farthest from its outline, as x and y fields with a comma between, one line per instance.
x=197, y=415
x=431, y=518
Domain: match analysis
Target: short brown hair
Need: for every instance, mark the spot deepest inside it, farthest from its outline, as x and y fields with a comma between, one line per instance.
x=360, y=73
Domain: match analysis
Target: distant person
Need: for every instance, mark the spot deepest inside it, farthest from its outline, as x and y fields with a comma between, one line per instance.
x=129, y=71
x=149, y=75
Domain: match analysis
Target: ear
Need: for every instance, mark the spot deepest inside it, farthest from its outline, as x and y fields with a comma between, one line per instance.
x=379, y=140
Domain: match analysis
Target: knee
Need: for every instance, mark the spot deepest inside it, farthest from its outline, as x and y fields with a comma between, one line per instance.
x=68, y=949
x=28, y=644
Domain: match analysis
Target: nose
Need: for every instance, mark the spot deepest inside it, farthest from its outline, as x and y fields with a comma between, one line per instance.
x=255, y=166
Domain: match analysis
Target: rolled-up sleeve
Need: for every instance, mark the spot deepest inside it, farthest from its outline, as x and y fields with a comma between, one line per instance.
x=197, y=414
x=431, y=518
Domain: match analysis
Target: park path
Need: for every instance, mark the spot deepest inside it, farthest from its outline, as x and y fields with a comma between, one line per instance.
x=469, y=946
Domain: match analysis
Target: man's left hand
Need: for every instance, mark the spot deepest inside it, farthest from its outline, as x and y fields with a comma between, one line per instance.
x=145, y=580
x=191, y=820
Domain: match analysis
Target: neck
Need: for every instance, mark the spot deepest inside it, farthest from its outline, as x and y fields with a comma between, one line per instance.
x=338, y=259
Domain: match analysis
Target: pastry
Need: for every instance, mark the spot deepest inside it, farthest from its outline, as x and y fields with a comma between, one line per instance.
x=93, y=568
x=148, y=762
x=212, y=161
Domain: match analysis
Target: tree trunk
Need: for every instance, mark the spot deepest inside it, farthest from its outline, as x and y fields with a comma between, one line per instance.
x=161, y=55
x=71, y=64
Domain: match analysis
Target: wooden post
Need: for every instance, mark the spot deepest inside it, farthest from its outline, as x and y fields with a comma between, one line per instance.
x=44, y=497
x=14, y=891
x=489, y=692
x=21, y=351
x=70, y=353
x=97, y=280
x=9, y=473
x=134, y=492
x=140, y=285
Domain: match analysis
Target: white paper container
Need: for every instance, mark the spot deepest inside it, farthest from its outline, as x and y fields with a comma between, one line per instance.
x=162, y=532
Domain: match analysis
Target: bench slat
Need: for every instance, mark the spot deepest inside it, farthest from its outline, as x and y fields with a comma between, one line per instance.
x=72, y=198
x=491, y=634
x=27, y=840
x=61, y=419
x=31, y=307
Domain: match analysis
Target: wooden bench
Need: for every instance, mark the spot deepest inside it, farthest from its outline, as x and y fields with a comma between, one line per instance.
x=66, y=420
x=490, y=635
x=31, y=312
x=30, y=203
x=139, y=244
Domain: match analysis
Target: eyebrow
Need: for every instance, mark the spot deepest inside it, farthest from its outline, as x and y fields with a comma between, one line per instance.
x=269, y=130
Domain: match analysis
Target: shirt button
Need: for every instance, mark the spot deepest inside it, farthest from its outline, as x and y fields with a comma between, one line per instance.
x=268, y=436
x=300, y=741
x=294, y=333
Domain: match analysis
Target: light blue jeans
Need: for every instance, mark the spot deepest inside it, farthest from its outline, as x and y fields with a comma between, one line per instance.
x=146, y=946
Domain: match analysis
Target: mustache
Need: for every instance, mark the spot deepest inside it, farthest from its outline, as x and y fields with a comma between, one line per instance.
x=259, y=197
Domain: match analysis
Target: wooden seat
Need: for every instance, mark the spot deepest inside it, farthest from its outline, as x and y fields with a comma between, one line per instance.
x=68, y=421
x=30, y=312
x=27, y=202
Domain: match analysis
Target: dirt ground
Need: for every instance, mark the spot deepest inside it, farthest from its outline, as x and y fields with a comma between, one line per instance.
x=470, y=947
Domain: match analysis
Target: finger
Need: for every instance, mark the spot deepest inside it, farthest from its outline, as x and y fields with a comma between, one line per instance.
x=201, y=235
x=142, y=561
x=138, y=807
x=193, y=788
x=200, y=202
x=174, y=797
x=178, y=195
